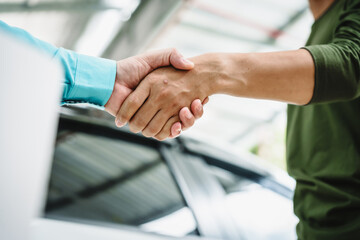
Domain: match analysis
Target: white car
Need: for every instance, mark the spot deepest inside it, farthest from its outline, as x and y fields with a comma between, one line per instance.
x=110, y=179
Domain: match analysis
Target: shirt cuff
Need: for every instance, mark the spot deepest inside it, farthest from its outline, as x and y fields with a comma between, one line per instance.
x=94, y=80
x=317, y=91
x=335, y=72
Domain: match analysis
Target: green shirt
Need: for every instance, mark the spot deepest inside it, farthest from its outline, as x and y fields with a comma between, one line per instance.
x=323, y=138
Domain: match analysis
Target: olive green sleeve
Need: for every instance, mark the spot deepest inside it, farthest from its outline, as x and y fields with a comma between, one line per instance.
x=337, y=64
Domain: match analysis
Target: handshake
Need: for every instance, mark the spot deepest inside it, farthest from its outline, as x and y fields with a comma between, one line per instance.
x=157, y=93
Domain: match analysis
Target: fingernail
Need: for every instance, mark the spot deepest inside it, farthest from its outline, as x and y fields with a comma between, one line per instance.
x=187, y=62
x=119, y=123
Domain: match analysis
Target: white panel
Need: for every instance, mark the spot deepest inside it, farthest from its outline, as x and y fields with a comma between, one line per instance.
x=44, y=229
x=29, y=100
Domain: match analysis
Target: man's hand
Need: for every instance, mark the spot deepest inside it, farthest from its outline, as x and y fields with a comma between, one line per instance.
x=185, y=117
x=155, y=104
x=132, y=70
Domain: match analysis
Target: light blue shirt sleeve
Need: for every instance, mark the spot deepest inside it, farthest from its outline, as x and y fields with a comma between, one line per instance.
x=87, y=79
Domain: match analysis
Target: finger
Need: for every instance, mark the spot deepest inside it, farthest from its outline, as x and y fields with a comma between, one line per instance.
x=166, y=130
x=197, y=108
x=132, y=103
x=187, y=118
x=156, y=124
x=175, y=130
x=206, y=100
x=166, y=57
x=143, y=117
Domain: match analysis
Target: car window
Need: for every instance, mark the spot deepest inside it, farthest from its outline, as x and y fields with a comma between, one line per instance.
x=259, y=213
x=114, y=181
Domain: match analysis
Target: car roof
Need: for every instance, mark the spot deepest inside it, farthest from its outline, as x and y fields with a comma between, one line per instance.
x=221, y=153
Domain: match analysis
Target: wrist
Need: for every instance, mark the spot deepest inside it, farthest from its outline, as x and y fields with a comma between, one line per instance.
x=235, y=71
x=119, y=93
x=209, y=69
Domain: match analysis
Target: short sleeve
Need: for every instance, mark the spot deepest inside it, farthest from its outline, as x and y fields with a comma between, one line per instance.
x=337, y=64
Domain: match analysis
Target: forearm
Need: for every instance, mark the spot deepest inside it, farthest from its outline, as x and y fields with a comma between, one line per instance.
x=283, y=76
x=86, y=79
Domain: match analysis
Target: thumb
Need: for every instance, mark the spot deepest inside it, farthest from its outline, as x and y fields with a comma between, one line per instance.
x=178, y=61
x=166, y=57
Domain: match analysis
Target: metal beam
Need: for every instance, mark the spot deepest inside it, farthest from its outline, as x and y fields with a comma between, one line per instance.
x=223, y=33
x=281, y=29
x=144, y=24
x=202, y=193
x=78, y=6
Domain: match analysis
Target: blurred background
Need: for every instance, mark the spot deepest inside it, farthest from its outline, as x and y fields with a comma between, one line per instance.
x=224, y=178
x=118, y=29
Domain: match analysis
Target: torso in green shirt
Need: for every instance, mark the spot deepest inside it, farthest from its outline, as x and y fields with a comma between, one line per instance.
x=323, y=155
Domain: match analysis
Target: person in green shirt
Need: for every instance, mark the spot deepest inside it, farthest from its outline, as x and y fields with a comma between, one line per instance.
x=321, y=83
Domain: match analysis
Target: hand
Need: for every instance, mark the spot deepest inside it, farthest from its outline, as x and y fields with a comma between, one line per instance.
x=132, y=70
x=186, y=117
x=155, y=104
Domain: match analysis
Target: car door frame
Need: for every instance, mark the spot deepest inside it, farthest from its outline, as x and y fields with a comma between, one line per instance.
x=189, y=186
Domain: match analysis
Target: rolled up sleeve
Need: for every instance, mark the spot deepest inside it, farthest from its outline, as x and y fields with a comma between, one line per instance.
x=337, y=64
